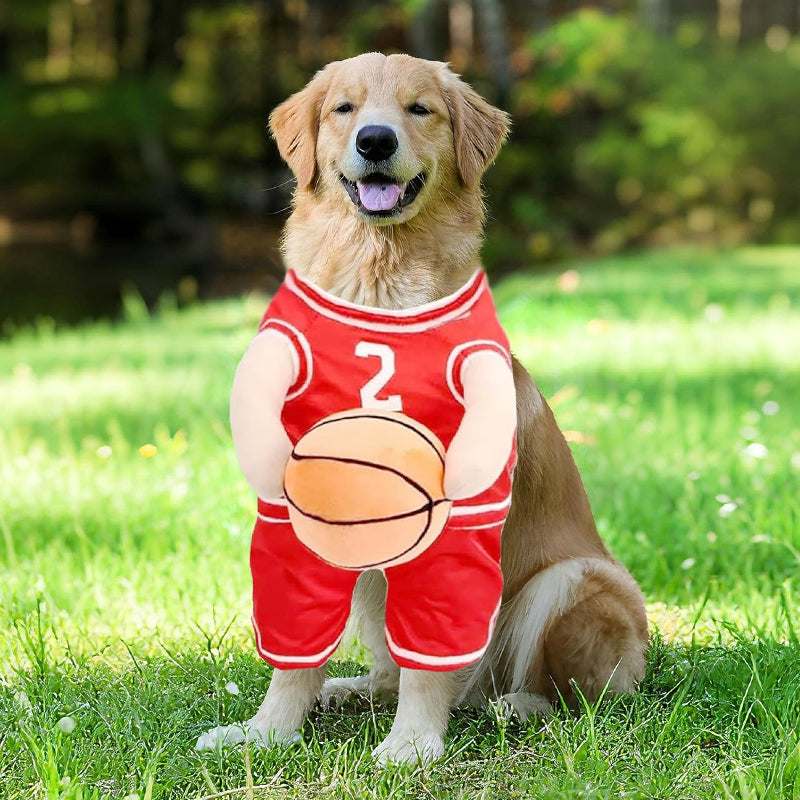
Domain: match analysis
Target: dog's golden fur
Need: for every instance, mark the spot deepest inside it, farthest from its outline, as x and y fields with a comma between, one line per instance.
x=571, y=614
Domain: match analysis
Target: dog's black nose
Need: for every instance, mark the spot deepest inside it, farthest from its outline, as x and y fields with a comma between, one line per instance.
x=376, y=142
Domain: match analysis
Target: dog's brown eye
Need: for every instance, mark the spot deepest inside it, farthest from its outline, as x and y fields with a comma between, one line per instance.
x=419, y=110
x=343, y=108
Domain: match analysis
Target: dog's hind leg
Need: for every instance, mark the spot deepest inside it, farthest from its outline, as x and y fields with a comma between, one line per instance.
x=600, y=643
x=369, y=612
x=578, y=623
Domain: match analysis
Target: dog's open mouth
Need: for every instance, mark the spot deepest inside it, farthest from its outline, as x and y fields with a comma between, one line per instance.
x=379, y=195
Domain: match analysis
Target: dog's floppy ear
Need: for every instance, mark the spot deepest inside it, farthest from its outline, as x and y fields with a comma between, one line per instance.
x=294, y=125
x=479, y=129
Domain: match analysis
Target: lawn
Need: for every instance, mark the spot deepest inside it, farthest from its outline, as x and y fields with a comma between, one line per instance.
x=124, y=583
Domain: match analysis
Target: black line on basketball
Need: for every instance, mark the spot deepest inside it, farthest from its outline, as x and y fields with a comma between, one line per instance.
x=386, y=419
x=411, y=547
x=366, y=521
x=361, y=463
x=429, y=506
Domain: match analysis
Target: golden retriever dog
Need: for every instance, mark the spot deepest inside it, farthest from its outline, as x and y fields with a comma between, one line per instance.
x=414, y=140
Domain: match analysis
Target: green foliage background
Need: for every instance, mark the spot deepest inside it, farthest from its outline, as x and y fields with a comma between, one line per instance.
x=624, y=136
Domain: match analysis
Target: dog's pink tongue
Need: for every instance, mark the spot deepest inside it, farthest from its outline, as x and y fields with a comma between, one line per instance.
x=379, y=196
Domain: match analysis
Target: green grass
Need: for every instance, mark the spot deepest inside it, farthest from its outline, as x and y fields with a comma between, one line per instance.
x=124, y=583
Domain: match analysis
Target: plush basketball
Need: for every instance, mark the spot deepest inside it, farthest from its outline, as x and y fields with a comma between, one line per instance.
x=364, y=489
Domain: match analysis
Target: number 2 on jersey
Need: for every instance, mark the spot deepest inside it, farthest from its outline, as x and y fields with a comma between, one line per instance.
x=370, y=390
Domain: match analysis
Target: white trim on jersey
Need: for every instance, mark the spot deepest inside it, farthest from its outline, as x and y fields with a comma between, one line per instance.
x=304, y=346
x=498, y=524
x=399, y=313
x=443, y=661
x=283, y=659
x=396, y=320
x=274, y=501
x=483, y=345
x=465, y=510
x=281, y=520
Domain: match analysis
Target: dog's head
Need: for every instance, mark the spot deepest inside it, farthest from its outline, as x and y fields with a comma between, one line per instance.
x=384, y=134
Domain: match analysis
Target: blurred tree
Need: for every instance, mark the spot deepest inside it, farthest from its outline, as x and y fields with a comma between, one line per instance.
x=541, y=14
x=131, y=33
x=462, y=35
x=494, y=32
x=165, y=27
x=655, y=14
x=729, y=21
x=752, y=19
x=426, y=29
x=5, y=38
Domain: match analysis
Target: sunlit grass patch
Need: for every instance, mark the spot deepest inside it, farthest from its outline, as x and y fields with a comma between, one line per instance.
x=125, y=524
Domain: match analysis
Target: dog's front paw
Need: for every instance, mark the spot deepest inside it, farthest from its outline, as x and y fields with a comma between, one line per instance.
x=407, y=747
x=227, y=735
x=525, y=705
x=221, y=736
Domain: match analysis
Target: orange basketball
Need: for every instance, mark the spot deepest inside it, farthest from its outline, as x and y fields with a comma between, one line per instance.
x=364, y=489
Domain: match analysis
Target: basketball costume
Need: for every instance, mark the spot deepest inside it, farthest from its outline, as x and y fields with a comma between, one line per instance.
x=441, y=607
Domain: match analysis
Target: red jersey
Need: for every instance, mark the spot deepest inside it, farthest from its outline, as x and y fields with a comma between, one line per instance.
x=350, y=356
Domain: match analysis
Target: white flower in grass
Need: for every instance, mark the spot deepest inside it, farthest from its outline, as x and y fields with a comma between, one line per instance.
x=66, y=724
x=761, y=538
x=770, y=408
x=728, y=509
x=755, y=450
x=796, y=460
x=687, y=563
x=722, y=498
x=749, y=433
x=751, y=417
x=104, y=451
x=693, y=475
x=179, y=491
x=231, y=688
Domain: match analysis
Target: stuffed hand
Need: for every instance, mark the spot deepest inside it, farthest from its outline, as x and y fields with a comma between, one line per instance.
x=262, y=381
x=479, y=450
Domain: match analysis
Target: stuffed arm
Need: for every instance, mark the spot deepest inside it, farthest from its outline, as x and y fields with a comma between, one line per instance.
x=262, y=380
x=481, y=447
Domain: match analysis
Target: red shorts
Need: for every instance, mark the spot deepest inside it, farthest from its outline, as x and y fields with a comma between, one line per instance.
x=441, y=607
